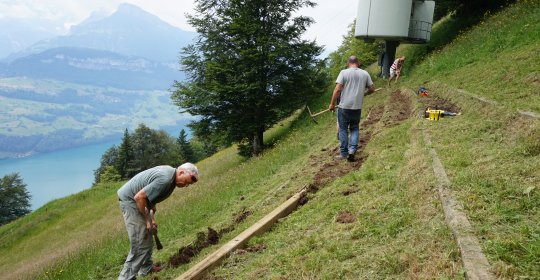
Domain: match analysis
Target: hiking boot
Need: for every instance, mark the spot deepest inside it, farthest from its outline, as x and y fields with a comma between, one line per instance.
x=350, y=158
x=340, y=157
x=154, y=269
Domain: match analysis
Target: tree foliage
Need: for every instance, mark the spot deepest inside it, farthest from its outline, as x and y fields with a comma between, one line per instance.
x=107, y=159
x=186, y=151
x=468, y=8
x=143, y=149
x=248, y=69
x=109, y=174
x=367, y=53
x=14, y=198
x=124, y=160
x=151, y=148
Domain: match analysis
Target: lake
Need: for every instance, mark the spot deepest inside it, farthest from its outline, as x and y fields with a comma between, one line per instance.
x=57, y=174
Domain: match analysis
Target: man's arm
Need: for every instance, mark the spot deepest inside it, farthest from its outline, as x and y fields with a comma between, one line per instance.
x=141, y=201
x=335, y=95
x=370, y=90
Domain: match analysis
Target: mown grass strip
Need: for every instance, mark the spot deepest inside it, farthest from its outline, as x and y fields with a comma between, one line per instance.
x=475, y=262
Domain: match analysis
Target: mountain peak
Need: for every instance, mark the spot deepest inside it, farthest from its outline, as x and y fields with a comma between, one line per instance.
x=127, y=9
x=129, y=31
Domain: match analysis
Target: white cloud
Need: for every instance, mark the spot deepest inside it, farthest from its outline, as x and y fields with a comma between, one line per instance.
x=16, y=10
x=332, y=20
x=332, y=16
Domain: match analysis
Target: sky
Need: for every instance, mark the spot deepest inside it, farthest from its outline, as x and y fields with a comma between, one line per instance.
x=332, y=16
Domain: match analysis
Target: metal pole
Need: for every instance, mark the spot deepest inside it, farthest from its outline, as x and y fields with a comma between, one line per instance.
x=389, y=57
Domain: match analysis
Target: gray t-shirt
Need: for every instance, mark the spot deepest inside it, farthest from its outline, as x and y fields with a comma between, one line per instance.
x=158, y=184
x=354, y=81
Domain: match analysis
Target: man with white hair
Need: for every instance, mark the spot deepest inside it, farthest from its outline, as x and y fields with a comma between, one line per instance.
x=137, y=197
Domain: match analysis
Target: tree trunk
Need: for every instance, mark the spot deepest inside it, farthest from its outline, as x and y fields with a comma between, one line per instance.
x=258, y=144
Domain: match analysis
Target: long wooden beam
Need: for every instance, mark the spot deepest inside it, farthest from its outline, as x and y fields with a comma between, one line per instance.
x=204, y=266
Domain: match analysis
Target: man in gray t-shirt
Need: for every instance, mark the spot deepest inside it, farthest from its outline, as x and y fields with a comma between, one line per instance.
x=351, y=84
x=137, y=197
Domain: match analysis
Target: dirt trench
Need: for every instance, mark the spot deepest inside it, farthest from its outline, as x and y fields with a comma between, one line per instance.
x=203, y=240
x=397, y=109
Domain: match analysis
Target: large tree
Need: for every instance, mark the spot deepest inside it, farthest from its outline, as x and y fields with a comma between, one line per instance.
x=140, y=150
x=152, y=148
x=248, y=68
x=14, y=198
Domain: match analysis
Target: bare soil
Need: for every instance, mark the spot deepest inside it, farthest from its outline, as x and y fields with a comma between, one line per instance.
x=353, y=189
x=397, y=109
x=438, y=103
x=345, y=218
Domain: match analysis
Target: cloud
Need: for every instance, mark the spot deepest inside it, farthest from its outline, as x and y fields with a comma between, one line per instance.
x=332, y=16
x=332, y=22
x=16, y=10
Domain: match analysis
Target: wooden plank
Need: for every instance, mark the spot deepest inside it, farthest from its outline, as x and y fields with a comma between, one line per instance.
x=531, y=115
x=475, y=262
x=204, y=266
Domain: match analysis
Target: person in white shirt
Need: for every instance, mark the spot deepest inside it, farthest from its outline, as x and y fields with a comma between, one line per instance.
x=351, y=84
x=395, y=69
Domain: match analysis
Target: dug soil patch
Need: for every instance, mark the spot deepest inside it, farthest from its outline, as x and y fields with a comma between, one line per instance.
x=185, y=253
x=438, y=103
x=345, y=218
x=397, y=109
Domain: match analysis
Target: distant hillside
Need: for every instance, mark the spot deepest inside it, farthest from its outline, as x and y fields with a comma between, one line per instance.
x=129, y=31
x=109, y=73
x=94, y=67
x=47, y=115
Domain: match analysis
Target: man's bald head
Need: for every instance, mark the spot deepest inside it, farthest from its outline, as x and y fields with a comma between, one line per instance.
x=353, y=60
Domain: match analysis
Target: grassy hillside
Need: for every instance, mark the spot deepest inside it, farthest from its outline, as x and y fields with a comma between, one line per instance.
x=377, y=218
x=492, y=152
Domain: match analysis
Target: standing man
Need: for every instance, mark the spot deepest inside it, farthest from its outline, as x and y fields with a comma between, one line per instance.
x=137, y=197
x=395, y=69
x=351, y=84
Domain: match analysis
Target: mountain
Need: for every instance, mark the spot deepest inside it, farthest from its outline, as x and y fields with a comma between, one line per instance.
x=17, y=35
x=129, y=31
x=111, y=72
x=94, y=67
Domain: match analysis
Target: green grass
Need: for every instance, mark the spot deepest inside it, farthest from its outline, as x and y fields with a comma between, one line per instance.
x=491, y=155
x=399, y=232
x=497, y=60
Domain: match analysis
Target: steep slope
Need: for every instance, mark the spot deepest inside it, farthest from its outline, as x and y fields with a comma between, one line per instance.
x=377, y=218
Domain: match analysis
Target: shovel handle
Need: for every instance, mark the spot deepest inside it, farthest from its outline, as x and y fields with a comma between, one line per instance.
x=324, y=111
x=159, y=246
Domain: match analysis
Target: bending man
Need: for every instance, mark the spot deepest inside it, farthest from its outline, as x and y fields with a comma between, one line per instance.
x=351, y=84
x=137, y=197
